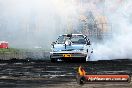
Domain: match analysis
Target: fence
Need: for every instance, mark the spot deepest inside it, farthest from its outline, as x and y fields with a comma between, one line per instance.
x=24, y=55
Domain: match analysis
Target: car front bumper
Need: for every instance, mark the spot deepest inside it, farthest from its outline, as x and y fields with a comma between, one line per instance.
x=68, y=54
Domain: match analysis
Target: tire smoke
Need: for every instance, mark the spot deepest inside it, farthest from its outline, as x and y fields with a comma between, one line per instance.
x=119, y=46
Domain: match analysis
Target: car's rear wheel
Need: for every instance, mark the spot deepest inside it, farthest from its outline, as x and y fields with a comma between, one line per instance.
x=83, y=59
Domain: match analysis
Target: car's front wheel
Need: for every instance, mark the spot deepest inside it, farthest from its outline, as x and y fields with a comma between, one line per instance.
x=53, y=60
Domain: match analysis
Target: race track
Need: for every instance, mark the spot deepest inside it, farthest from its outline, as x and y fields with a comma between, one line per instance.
x=44, y=74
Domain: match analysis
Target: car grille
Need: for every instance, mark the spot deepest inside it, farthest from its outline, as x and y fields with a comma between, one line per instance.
x=72, y=54
x=68, y=50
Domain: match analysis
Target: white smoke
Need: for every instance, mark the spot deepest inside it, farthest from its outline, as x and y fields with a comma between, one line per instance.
x=35, y=23
x=119, y=46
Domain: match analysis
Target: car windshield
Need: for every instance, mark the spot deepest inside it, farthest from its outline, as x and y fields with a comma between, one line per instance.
x=75, y=39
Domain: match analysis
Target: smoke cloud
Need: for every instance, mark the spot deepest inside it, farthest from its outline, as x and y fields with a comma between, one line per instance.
x=119, y=46
x=35, y=23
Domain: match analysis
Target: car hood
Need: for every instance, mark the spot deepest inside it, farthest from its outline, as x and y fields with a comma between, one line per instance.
x=61, y=47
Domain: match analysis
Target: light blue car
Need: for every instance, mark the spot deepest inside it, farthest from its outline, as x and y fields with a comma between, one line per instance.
x=71, y=47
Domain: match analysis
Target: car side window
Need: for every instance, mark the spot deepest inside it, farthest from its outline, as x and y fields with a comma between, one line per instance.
x=60, y=39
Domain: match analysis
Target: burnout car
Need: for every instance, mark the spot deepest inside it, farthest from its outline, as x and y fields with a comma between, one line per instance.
x=71, y=47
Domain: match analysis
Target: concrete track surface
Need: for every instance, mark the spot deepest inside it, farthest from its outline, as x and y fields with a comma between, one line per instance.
x=44, y=74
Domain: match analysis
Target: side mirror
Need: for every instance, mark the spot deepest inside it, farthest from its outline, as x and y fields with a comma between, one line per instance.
x=53, y=44
x=88, y=43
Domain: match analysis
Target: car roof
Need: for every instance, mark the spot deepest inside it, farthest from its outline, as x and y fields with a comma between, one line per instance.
x=72, y=34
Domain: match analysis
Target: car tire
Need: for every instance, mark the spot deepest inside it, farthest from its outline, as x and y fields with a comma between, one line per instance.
x=53, y=60
x=83, y=59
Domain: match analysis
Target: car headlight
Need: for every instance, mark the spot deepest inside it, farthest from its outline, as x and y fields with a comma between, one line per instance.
x=56, y=50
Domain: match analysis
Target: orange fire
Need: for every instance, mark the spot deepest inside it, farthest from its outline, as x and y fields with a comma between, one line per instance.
x=81, y=71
